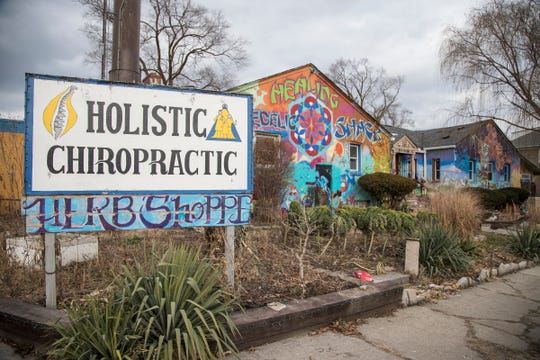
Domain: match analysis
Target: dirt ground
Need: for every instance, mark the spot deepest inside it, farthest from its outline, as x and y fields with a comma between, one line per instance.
x=266, y=262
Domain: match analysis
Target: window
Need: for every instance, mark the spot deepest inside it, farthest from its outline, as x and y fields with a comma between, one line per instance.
x=266, y=150
x=489, y=171
x=354, y=157
x=436, y=169
x=507, y=172
x=472, y=169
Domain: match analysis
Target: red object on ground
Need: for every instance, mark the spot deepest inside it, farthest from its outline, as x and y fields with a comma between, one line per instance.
x=363, y=275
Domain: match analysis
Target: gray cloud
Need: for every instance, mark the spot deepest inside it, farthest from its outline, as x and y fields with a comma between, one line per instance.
x=401, y=36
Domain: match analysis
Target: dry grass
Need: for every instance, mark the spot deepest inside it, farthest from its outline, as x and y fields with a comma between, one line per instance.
x=266, y=269
x=458, y=209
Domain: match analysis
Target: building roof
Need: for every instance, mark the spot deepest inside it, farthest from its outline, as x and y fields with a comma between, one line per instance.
x=441, y=137
x=531, y=139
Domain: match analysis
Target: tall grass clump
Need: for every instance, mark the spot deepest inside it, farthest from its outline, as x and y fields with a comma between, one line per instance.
x=177, y=311
x=458, y=209
x=440, y=250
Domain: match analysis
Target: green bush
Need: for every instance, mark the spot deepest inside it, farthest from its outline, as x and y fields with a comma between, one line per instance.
x=399, y=223
x=388, y=189
x=498, y=199
x=526, y=242
x=423, y=217
x=321, y=218
x=295, y=212
x=177, y=311
x=343, y=221
x=440, y=250
x=99, y=329
x=514, y=195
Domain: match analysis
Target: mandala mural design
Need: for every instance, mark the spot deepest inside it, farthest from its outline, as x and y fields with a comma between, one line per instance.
x=310, y=125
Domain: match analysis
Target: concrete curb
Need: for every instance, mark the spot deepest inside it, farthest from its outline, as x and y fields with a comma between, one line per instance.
x=30, y=324
x=262, y=325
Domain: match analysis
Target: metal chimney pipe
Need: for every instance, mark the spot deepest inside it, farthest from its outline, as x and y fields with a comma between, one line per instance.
x=125, y=51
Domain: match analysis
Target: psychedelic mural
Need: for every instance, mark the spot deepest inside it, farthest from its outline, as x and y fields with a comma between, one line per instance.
x=491, y=149
x=482, y=160
x=317, y=123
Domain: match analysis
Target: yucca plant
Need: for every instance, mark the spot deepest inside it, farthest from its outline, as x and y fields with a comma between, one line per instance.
x=99, y=329
x=177, y=311
x=440, y=251
x=526, y=242
x=182, y=307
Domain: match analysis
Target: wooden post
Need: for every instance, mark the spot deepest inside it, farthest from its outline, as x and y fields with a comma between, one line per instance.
x=229, y=254
x=50, y=270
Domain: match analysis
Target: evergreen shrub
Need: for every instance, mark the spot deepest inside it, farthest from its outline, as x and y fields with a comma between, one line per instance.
x=389, y=189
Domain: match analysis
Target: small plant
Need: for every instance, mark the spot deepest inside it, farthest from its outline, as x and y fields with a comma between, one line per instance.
x=424, y=217
x=179, y=311
x=440, y=251
x=526, y=242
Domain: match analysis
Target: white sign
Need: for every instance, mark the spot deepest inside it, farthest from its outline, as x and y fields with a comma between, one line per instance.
x=91, y=137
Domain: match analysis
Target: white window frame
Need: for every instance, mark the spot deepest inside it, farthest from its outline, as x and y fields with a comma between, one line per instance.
x=356, y=158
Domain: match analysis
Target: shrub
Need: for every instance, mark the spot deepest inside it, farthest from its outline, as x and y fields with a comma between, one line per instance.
x=178, y=311
x=342, y=222
x=295, y=212
x=423, y=217
x=399, y=223
x=100, y=330
x=526, y=242
x=386, y=188
x=489, y=199
x=321, y=218
x=498, y=199
x=440, y=251
x=514, y=195
x=458, y=209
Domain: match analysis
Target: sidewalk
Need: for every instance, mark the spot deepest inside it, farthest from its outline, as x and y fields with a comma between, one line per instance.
x=499, y=319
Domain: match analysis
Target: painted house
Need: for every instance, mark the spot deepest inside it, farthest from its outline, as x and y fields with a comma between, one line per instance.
x=477, y=154
x=331, y=140
x=528, y=145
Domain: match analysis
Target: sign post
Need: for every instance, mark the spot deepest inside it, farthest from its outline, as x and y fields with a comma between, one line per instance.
x=50, y=270
x=105, y=156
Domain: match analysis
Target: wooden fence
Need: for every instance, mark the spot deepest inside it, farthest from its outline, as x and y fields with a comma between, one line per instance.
x=11, y=166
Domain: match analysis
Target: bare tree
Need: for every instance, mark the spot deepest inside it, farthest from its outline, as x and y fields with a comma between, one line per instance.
x=494, y=57
x=372, y=89
x=184, y=43
x=98, y=32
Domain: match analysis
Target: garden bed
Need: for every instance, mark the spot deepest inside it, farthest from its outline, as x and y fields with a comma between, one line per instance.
x=267, y=267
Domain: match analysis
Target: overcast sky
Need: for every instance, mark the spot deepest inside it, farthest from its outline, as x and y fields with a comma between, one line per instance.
x=402, y=36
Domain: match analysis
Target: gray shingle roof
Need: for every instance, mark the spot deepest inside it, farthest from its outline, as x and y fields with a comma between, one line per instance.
x=447, y=136
x=531, y=139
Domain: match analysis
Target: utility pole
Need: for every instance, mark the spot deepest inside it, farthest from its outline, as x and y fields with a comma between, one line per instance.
x=125, y=51
x=104, y=39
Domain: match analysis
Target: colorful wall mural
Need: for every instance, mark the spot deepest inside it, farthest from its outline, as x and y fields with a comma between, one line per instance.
x=483, y=159
x=316, y=123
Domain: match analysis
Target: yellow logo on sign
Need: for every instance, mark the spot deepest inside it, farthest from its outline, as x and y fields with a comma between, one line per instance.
x=59, y=115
